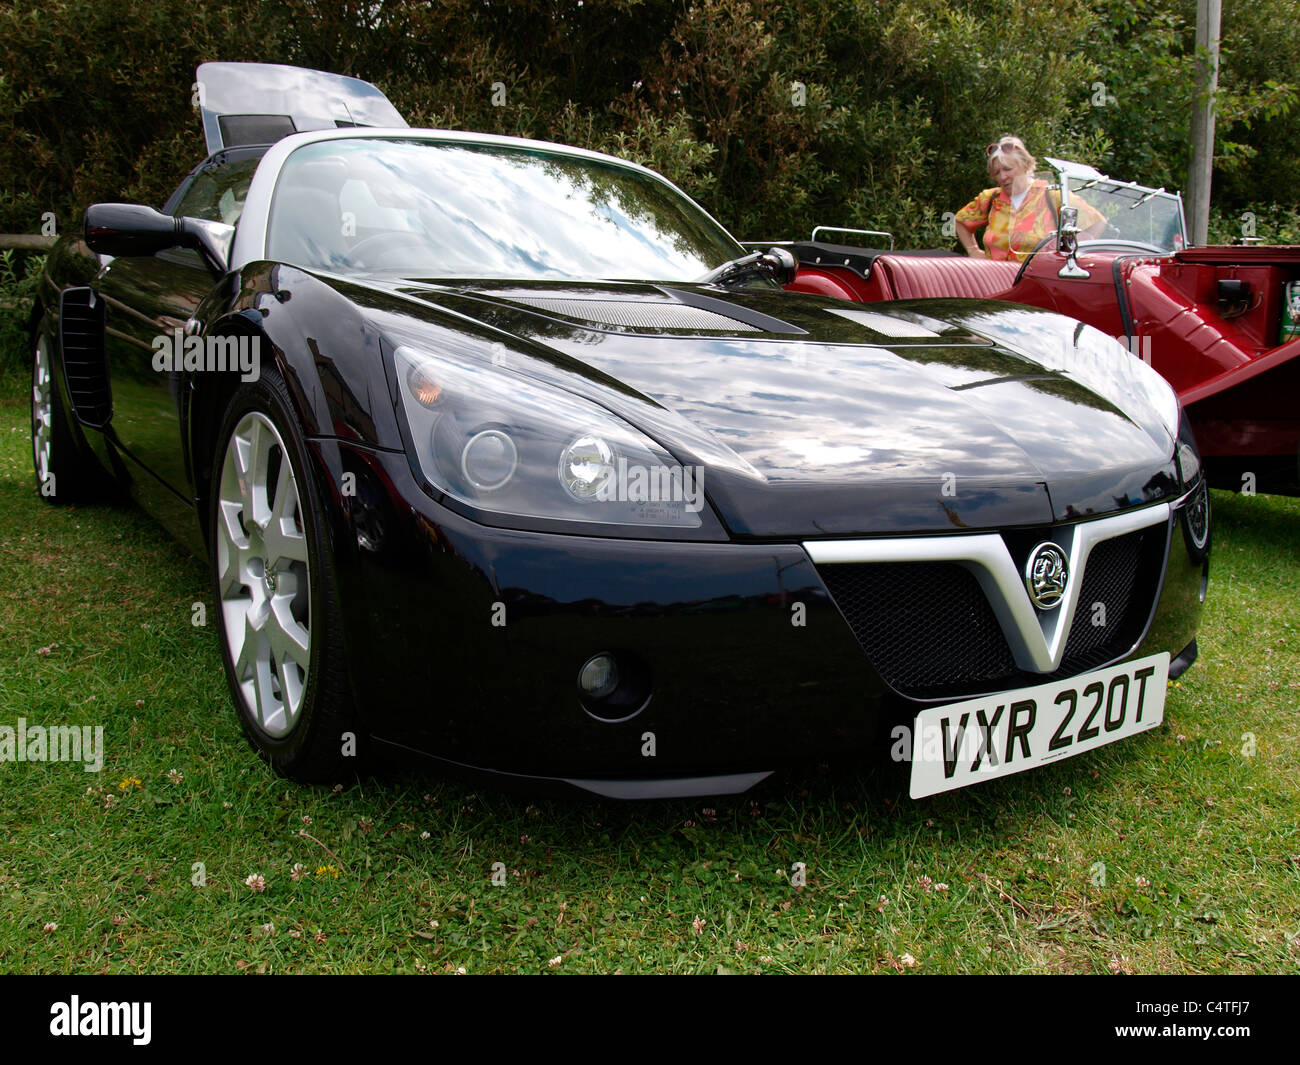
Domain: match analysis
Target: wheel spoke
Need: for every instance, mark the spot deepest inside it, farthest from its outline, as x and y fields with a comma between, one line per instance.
x=259, y=637
x=237, y=462
x=258, y=510
x=290, y=546
x=288, y=638
x=233, y=558
x=284, y=537
x=292, y=684
x=230, y=511
x=247, y=665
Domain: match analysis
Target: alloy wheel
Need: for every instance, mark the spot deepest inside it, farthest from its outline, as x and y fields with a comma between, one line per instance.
x=42, y=411
x=263, y=574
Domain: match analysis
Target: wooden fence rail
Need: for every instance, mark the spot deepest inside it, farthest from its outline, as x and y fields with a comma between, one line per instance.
x=25, y=242
x=22, y=242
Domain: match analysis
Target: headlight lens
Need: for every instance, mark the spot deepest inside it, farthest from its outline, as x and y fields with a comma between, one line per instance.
x=502, y=443
x=1189, y=459
x=587, y=467
x=489, y=459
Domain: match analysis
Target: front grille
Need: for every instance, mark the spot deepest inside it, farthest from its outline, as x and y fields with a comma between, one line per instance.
x=929, y=631
x=924, y=625
x=1109, y=583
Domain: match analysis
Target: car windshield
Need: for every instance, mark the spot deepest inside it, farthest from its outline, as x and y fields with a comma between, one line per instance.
x=1146, y=216
x=420, y=208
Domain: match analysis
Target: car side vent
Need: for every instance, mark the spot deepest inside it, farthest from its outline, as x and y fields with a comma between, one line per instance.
x=637, y=314
x=81, y=339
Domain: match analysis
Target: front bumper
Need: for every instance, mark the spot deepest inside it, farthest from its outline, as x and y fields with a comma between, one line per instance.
x=465, y=643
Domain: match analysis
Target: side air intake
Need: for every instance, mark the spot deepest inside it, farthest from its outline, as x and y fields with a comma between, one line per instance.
x=81, y=338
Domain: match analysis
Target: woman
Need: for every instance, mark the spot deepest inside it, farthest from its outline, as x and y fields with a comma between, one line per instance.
x=1020, y=211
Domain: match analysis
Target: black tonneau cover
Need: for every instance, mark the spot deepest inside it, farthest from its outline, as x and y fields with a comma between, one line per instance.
x=859, y=260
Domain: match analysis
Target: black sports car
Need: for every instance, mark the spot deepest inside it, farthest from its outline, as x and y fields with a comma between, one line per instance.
x=505, y=454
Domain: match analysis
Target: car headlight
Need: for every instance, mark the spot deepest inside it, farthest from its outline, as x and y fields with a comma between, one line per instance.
x=499, y=442
x=1189, y=459
x=587, y=466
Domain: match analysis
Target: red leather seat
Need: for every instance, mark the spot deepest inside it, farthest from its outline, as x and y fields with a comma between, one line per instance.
x=921, y=277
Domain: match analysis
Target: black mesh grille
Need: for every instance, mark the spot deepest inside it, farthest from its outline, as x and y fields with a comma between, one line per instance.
x=81, y=337
x=930, y=632
x=922, y=624
x=1109, y=582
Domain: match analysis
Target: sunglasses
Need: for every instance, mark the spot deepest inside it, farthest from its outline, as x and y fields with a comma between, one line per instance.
x=1007, y=142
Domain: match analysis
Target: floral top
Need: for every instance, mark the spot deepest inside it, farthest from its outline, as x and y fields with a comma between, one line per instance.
x=1014, y=233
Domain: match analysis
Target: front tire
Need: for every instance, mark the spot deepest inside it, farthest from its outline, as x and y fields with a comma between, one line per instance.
x=277, y=610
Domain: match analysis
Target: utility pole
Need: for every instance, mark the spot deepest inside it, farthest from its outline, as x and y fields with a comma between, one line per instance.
x=1208, y=17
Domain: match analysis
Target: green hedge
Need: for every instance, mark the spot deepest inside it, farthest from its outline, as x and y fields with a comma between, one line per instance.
x=777, y=116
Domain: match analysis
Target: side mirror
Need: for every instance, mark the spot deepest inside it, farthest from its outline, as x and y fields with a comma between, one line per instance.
x=779, y=264
x=1067, y=242
x=775, y=264
x=129, y=229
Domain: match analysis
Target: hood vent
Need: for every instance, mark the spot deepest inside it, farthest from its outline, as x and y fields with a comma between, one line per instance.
x=636, y=314
x=885, y=324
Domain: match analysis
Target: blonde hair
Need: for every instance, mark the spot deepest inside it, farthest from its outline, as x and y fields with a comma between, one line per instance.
x=1013, y=150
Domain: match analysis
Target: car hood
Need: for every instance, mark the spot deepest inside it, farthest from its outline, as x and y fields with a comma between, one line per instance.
x=813, y=417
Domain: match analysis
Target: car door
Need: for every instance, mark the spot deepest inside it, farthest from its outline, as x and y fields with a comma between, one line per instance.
x=147, y=302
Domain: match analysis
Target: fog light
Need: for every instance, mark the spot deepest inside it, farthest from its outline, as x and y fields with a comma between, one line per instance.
x=599, y=676
x=614, y=686
x=489, y=459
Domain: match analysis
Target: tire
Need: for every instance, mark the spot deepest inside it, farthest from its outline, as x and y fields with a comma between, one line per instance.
x=277, y=609
x=63, y=474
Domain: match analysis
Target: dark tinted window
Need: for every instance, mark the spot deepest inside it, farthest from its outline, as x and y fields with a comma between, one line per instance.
x=217, y=192
x=254, y=129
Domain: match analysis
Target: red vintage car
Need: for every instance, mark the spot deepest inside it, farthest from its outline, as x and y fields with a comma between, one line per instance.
x=1220, y=323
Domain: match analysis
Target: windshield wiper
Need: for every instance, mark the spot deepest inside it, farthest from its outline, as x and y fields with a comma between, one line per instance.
x=775, y=264
x=1153, y=192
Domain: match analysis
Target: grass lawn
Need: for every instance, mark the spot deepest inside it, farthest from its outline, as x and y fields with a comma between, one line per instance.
x=1171, y=852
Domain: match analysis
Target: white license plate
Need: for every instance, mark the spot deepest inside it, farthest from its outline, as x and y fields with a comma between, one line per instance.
x=994, y=736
